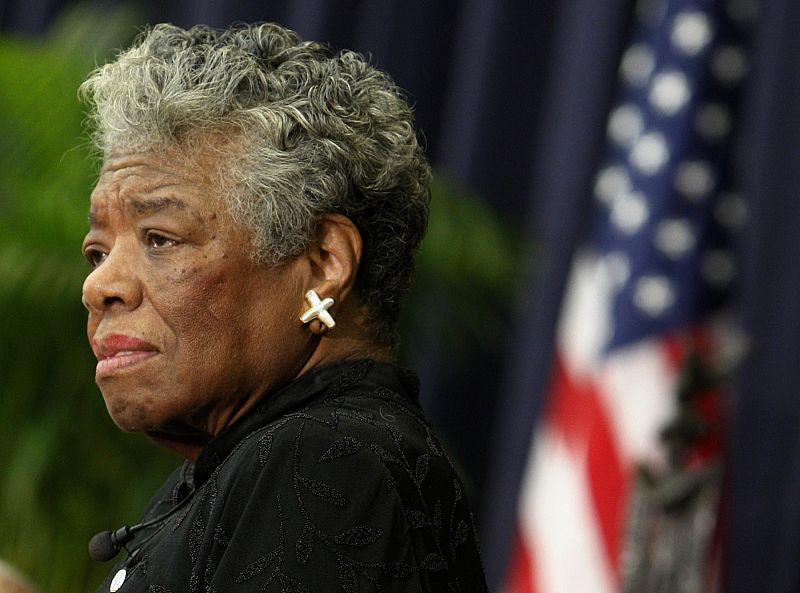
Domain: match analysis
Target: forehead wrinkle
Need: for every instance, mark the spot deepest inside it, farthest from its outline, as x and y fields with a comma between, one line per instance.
x=144, y=207
x=139, y=207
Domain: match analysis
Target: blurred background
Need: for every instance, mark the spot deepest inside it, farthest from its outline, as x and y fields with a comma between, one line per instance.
x=605, y=314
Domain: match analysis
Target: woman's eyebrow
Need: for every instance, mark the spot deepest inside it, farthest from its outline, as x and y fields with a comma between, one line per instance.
x=144, y=206
x=151, y=205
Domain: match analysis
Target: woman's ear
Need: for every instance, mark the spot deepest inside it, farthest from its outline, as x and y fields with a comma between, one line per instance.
x=334, y=256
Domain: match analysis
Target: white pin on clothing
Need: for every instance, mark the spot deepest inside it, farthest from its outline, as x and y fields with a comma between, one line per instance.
x=117, y=581
x=318, y=310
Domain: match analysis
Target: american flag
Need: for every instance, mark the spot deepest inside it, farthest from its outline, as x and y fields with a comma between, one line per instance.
x=644, y=291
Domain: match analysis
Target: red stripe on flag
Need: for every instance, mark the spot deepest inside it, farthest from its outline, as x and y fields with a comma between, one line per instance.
x=521, y=571
x=608, y=481
x=577, y=414
x=566, y=411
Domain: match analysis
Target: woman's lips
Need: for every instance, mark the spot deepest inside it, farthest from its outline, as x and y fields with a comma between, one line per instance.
x=118, y=351
x=126, y=358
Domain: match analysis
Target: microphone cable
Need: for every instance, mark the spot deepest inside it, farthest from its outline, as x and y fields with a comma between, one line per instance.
x=106, y=545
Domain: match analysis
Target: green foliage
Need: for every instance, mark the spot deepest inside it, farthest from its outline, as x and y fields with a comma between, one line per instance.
x=66, y=471
x=466, y=276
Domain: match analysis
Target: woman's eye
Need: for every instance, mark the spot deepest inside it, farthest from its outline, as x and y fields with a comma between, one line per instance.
x=159, y=241
x=94, y=257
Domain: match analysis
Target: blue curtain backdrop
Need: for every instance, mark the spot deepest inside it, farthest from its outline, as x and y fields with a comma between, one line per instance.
x=512, y=98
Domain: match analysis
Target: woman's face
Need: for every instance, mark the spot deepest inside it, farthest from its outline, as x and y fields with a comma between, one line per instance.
x=188, y=331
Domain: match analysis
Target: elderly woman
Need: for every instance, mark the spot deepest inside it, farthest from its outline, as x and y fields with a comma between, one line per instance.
x=251, y=233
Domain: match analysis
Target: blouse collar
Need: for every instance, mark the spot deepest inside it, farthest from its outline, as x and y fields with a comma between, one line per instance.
x=319, y=384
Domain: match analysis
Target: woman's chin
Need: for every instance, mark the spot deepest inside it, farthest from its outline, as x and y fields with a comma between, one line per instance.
x=127, y=417
x=136, y=409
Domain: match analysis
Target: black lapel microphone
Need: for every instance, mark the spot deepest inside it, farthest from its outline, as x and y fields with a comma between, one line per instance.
x=105, y=545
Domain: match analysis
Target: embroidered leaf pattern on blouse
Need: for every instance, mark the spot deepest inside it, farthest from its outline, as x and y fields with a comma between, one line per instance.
x=341, y=448
x=290, y=585
x=394, y=433
x=264, y=448
x=416, y=519
x=324, y=492
x=348, y=579
x=397, y=570
x=258, y=566
x=434, y=448
x=423, y=462
x=437, y=519
x=462, y=533
x=383, y=454
x=196, y=536
x=434, y=562
x=358, y=536
x=355, y=373
x=304, y=545
x=390, y=483
x=220, y=537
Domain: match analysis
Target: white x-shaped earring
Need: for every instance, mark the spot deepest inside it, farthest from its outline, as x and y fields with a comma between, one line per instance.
x=318, y=310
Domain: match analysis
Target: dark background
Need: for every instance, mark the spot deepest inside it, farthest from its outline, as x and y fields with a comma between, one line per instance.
x=511, y=97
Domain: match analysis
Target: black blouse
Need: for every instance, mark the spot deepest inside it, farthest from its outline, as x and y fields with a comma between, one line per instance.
x=334, y=483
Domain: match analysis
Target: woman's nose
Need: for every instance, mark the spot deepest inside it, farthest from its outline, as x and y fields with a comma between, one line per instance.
x=114, y=283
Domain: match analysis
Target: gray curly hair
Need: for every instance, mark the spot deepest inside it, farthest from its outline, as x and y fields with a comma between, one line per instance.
x=316, y=132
